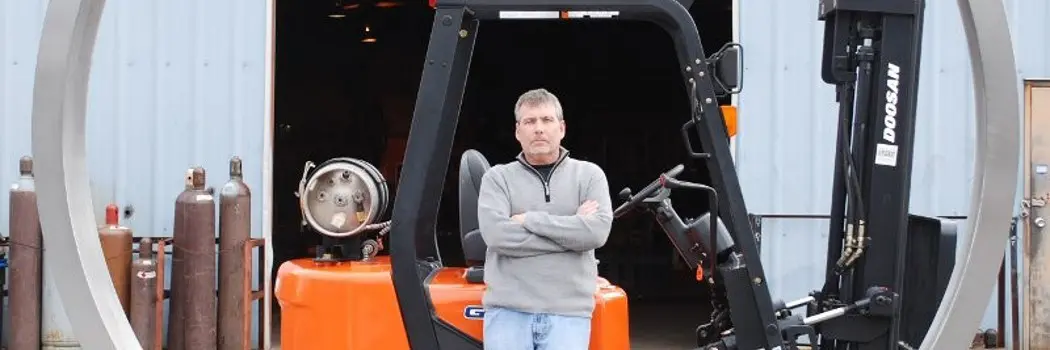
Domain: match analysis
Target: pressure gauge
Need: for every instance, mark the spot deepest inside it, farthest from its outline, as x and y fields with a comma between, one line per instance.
x=343, y=197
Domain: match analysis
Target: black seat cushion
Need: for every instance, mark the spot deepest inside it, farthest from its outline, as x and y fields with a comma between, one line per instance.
x=472, y=167
x=474, y=247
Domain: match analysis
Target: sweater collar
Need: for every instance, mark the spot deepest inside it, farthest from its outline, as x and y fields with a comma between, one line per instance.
x=561, y=156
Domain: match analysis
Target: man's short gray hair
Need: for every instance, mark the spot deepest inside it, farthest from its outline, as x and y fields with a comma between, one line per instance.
x=538, y=97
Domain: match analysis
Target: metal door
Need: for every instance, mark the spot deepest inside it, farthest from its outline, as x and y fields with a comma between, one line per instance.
x=1037, y=192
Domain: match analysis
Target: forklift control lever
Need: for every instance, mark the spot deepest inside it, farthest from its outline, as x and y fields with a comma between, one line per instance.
x=692, y=244
x=646, y=192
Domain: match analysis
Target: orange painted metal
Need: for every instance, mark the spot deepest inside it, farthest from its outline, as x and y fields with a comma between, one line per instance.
x=117, y=245
x=729, y=114
x=162, y=292
x=352, y=305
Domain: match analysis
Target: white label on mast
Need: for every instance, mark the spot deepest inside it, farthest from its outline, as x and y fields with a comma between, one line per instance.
x=593, y=14
x=528, y=14
x=557, y=14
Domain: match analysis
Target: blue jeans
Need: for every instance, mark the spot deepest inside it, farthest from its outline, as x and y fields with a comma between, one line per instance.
x=507, y=329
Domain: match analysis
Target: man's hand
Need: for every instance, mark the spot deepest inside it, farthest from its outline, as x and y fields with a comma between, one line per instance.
x=587, y=208
x=518, y=218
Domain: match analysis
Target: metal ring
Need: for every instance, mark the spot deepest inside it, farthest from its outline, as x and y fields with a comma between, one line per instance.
x=74, y=253
x=60, y=93
x=995, y=178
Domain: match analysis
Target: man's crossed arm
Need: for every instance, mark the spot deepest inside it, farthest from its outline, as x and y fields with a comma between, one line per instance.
x=501, y=233
x=588, y=229
x=536, y=232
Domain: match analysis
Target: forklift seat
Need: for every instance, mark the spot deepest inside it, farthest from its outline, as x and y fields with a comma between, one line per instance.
x=472, y=166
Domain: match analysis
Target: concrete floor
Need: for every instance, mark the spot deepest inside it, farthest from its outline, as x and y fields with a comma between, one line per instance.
x=665, y=326
x=654, y=326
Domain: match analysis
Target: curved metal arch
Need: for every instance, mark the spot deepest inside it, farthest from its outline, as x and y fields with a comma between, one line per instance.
x=73, y=251
x=996, y=165
x=59, y=106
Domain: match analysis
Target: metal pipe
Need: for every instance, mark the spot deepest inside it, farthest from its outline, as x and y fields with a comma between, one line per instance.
x=836, y=312
x=824, y=316
x=800, y=302
x=249, y=294
x=161, y=295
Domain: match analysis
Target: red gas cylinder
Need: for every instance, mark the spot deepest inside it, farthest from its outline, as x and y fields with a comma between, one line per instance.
x=116, y=247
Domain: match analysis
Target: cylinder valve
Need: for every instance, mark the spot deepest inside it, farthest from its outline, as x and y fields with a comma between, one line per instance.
x=343, y=197
x=344, y=200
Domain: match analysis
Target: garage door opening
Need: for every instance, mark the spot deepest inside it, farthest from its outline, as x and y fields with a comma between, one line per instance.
x=346, y=81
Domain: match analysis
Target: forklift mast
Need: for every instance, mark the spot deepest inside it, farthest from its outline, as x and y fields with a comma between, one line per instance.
x=880, y=38
x=872, y=52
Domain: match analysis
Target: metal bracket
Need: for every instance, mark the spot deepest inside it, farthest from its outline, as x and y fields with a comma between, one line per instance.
x=1028, y=203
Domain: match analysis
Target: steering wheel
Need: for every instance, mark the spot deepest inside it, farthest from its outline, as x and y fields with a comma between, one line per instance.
x=633, y=201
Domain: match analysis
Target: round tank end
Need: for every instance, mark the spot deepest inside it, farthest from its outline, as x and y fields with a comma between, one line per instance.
x=25, y=165
x=112, y=215
x=236, y=170
x=145, y=248
x=197, y=178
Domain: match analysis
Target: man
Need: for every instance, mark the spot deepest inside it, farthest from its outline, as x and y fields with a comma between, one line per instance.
x=542, y=216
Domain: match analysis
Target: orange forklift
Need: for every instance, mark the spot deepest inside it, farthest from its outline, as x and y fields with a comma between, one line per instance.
x=351, y=296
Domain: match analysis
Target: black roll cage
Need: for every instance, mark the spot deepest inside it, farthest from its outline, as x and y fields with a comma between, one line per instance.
x=433, y=128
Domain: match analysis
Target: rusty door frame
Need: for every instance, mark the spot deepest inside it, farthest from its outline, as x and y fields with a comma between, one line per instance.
x=1026, y=193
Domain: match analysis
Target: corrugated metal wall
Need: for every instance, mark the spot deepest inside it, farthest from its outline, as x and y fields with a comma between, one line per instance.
x=173, y=85
x=787, y=125
x=177, y=85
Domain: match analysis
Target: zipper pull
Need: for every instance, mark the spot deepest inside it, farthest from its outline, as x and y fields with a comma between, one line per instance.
x=547, y=192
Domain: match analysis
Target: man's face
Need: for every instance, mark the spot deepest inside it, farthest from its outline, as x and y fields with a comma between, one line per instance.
x=539, y=131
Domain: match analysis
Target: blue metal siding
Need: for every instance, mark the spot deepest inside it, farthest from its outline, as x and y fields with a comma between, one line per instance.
x=787, y=125
x=177, y=85
x=173, y=85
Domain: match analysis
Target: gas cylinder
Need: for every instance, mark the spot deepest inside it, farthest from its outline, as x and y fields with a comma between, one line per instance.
x=175, y=297
x=194, y=282
x=144, y=294
x=116, y=247
x=24, y=288
x=234, y=230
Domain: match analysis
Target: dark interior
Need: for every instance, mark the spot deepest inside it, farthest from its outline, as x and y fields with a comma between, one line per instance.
x=618, y=82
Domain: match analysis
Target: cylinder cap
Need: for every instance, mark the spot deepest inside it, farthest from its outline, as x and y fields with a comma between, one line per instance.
x=236, y=170
x=25, y=165
x=197, y=178
x=112, y=215
x=145, y=248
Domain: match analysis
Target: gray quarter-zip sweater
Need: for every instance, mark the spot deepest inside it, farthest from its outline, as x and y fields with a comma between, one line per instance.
x=547, y=264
